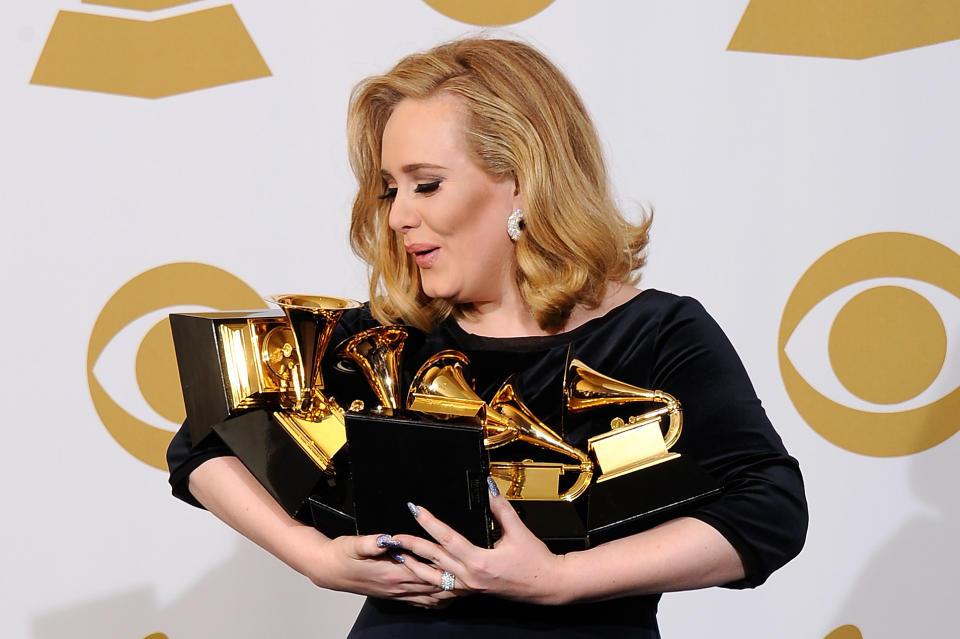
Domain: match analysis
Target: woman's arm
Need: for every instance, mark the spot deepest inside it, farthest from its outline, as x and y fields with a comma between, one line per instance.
x=680, y=554
x=350, y=563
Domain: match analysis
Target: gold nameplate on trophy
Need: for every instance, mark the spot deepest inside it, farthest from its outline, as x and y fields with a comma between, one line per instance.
x=629, y=447
x=445, y=407
x=528, y=480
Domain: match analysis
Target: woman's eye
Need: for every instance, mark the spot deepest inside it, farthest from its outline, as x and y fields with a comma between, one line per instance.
x=427, y=187
x=390, y=193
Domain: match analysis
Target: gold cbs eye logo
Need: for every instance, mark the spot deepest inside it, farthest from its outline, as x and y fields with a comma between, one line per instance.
x=889, y=353
x=489, y=13
x=171, y=287
x=855, y=29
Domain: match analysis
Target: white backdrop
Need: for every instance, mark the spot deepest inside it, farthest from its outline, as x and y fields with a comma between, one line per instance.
x=757, y=163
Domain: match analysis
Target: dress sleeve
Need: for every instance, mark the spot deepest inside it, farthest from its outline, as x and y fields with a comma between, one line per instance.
x=183, y=458
x=762, y=511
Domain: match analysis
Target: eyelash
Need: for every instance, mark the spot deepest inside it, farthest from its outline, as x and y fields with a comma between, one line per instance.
x=425, y=187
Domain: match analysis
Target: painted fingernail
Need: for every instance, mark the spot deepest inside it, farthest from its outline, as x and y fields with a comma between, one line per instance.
x=413, y=509
x=492, y=485
x=397, y=557
x=386, y=541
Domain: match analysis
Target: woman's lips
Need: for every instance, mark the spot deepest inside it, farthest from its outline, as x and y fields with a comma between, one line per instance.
x=425, y=255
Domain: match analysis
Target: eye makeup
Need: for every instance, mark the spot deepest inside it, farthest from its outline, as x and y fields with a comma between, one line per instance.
x=427, y=187
x=424, y=187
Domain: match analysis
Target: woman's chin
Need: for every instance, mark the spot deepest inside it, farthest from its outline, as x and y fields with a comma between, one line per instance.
x=439, y=292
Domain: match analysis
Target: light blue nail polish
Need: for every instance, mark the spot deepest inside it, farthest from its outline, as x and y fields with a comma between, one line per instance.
x=492, y=485
x=386, y=541
x=413, y=509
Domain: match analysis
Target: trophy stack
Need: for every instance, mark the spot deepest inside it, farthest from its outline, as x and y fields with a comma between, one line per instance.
x=254, y=378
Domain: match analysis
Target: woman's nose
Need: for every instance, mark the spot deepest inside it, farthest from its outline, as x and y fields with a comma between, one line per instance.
x=403, y=215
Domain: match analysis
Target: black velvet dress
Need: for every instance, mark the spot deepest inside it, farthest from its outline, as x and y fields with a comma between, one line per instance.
x=655, y=341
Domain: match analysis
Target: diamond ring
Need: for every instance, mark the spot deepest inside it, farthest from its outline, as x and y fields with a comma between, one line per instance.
x=447, y=580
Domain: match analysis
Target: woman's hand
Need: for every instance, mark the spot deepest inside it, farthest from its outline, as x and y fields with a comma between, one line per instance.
x=370, y=565
x=519, y=567
x=681, y=554
x=363, y=565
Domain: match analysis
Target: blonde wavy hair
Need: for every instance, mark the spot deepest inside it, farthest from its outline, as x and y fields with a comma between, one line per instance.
x=525, y=120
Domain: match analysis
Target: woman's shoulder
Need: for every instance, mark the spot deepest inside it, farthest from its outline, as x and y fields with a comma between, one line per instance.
x=649, y=307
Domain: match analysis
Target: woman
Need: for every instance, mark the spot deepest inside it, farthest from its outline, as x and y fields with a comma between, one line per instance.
x=484, y=213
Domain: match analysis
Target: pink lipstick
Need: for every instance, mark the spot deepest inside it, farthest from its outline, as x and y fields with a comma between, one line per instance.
x=424, y=254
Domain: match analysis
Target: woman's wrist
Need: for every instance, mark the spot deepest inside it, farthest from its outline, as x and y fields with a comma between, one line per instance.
x=563, y=581
x=311, y=557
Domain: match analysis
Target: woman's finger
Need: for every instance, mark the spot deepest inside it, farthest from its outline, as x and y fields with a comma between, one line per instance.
x=430, y=573
x=503, y=512
x=453, y=542
x=368, y=546
x=427, y=550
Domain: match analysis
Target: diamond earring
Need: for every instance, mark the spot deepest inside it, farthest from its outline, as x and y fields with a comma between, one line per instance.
x=513, y=224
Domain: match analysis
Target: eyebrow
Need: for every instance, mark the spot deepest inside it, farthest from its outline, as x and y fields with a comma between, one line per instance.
x=410, y=168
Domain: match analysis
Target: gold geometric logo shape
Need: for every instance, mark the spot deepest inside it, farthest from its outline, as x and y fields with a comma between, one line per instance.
x=148, y=59
x=852, y=29
x=847, y=631
x=489, y=13
x=886, y=345
x=141, y=5
x=178, y=284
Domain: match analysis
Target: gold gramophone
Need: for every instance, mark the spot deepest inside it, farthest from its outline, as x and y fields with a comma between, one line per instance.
x=253, y=378
x=313, y=420
x=630, y=445
x=440, y=388
x=376, y=352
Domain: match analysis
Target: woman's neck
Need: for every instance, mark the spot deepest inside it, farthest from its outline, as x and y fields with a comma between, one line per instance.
x=510, y=316
x=506, y=316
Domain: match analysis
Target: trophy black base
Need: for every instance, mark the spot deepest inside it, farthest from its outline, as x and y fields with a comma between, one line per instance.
x=558, y=524
x=280, y=465
x=331, y=508
x=644, y=498
x=439, y=465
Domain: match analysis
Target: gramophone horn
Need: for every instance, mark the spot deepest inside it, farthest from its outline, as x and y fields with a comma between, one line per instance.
x=376, y=351
x=311, y=319
x=441, y=389
x=314, y=421
x=529, y=429
x=585, y=389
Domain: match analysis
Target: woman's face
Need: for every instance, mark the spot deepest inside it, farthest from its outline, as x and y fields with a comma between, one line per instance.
x=450, y=212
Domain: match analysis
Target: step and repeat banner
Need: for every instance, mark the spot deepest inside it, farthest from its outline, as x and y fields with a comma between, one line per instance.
x=167, y=155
